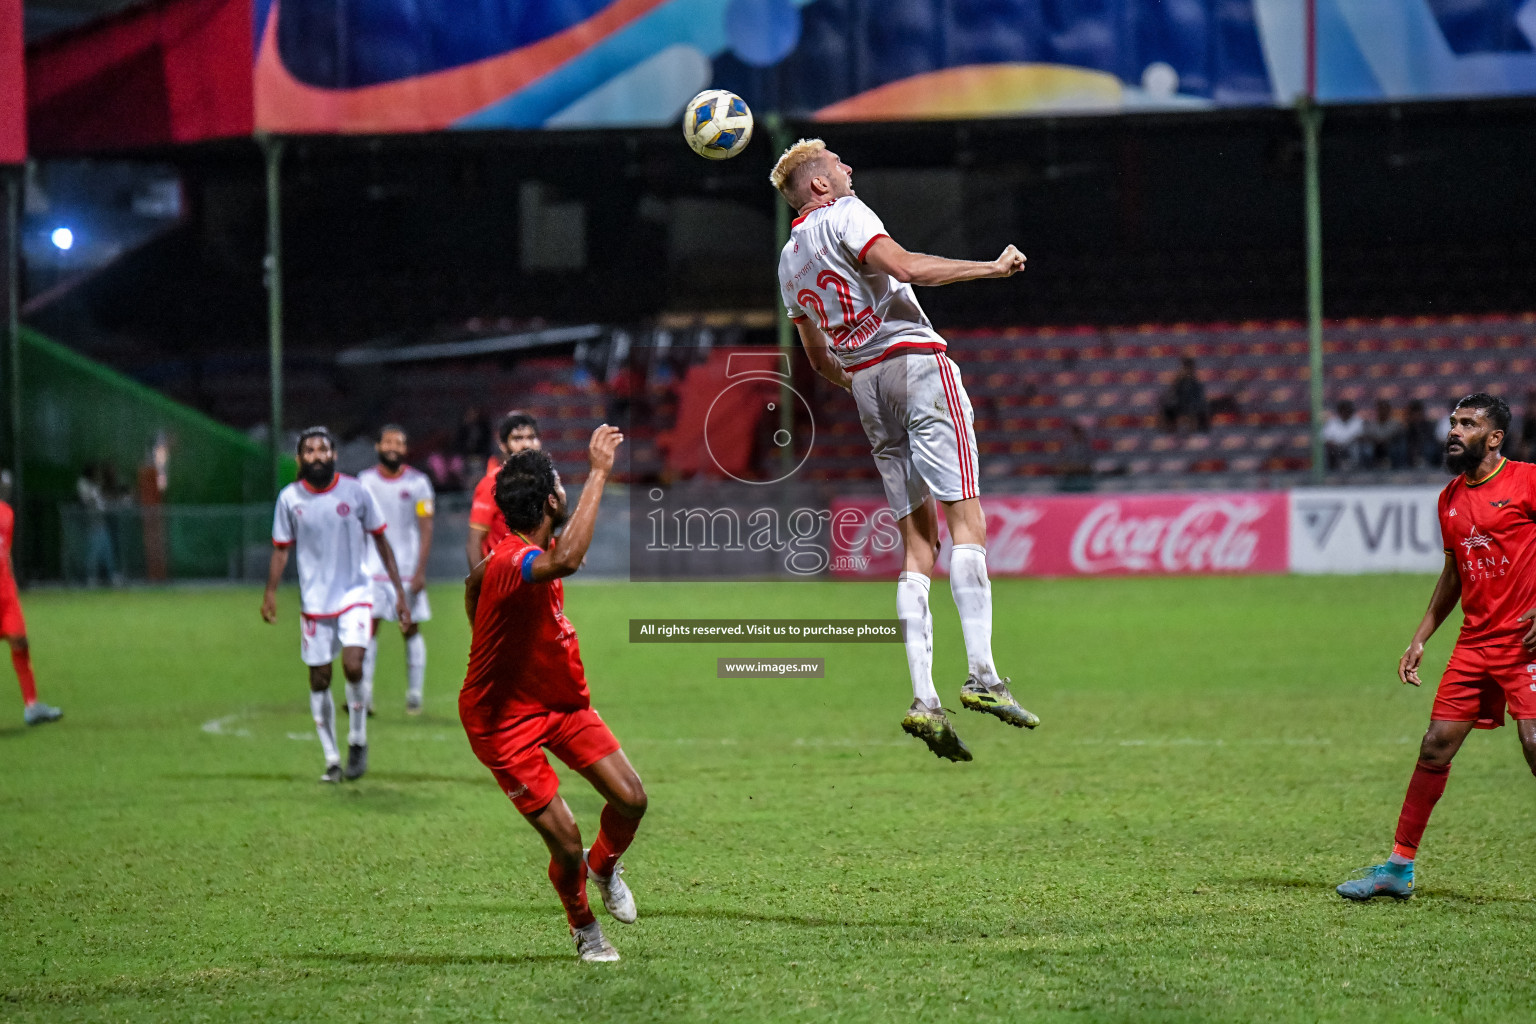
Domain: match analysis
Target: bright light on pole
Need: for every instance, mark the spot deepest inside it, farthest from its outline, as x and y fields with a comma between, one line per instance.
x=63, y=239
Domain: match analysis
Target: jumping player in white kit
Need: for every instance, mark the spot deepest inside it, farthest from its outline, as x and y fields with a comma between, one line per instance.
x=848, y=288
x=328, y=516
x=406, y=496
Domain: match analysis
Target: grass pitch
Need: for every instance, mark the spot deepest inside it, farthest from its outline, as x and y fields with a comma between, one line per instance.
x=1216, y=755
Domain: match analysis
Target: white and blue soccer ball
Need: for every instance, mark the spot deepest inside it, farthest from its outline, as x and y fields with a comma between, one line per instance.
x=717, y=124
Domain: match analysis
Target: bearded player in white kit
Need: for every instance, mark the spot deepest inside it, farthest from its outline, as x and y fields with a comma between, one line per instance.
x=406, y=496
x=848, y=288
x=328, y=516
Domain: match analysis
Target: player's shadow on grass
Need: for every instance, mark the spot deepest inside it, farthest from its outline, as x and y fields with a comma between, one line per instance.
x=1421, y=897
x=376, y=776
x=799, y=920
x=439, y=959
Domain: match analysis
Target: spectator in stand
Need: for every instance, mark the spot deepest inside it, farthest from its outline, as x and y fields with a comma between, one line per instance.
x=1343, y=437
x=1385, y=439
x=471, y=443
x=1076, y=466
x=92, y=490
x=1185, y=400
x=1525, y=446
x=1419, y=440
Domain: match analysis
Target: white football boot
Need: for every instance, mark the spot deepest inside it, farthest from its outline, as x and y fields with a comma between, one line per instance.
x=617, y=899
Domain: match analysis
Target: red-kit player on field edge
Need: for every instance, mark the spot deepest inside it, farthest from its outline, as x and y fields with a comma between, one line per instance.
x=516, y=432
x=12, y=626
x=1488, y=524
x=526, y=687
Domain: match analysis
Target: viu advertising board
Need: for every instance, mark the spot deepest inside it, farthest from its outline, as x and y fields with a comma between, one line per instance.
x=421, y=65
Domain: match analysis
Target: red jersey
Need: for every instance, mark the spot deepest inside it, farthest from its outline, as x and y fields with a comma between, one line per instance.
x=483, y=511
x=7, y=532
x=523, y=657
x=1490, y=529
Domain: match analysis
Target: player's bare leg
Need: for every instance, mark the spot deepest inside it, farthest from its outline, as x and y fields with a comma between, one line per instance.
x=370, y=657
x=357, y=712
x=33, y=711
x=616, y=781
x=925, y=719
x=568, y=874
x=984, y=689
x=1526, y=727
x=1395, y=878
x=323, y=710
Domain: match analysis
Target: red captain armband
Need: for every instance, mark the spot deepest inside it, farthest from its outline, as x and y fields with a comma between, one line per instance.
x=528, y=557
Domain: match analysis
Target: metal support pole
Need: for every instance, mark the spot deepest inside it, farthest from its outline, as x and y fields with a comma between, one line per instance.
x=1311, y=122
x=779, y=137
x=272, y=150
x=12, y=285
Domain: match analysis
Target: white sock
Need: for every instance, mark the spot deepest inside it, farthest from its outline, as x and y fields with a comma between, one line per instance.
x=972, y=591
x=357, y=715
x=323, y=710
x=912, y=609
x=415, y=666
x=370, y=655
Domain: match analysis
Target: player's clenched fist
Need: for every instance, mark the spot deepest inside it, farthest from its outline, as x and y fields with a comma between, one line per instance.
x=1010, y=262
x=605, y=442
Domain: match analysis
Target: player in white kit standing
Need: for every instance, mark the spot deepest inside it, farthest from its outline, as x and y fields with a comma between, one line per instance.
x=406, y=496
x=848, y=288
x=329, y=516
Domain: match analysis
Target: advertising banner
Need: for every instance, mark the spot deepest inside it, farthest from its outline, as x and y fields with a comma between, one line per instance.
x=387, y=66
x=1366, y=529
x=13, y=123
x=1088, y=535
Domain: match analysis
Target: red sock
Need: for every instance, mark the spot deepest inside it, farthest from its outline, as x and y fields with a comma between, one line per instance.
x=1423, y=790
x=22, y=662
x=571, y=884
x=613, y=838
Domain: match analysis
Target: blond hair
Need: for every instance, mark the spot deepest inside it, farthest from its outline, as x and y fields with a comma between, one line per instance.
x=795, y=157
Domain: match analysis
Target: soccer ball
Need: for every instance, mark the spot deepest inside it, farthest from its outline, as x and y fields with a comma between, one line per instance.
x=717, y=124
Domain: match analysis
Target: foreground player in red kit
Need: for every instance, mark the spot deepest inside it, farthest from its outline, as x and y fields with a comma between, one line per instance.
x=1488, y=523
x=526, y=687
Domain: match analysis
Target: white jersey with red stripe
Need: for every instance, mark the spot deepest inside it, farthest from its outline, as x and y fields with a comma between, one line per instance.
x=406, y=498
x=867, y=314
x=330, y=529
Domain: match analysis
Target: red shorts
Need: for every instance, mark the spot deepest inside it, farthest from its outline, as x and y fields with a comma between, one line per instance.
x=11, y=622
x=1479, y=681
x=511, y=751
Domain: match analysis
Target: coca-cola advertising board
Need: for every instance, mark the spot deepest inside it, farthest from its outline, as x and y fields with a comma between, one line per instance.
x=1089, y=535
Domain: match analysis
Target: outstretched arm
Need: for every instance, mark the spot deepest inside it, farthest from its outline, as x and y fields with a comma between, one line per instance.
x=274, y=577
x=387, y=556
x=566, y=557
x=921, y=269
x=1447, y=593
x=819, y=350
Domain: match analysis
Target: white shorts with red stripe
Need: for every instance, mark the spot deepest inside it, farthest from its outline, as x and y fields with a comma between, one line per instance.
x=918, y=419
x=322, y=637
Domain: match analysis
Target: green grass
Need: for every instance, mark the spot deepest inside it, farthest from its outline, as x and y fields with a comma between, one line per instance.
x=1216, y=755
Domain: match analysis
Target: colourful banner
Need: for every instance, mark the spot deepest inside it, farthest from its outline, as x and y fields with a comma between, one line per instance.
x=13, y=109
x=1089, y=535
x=385, y=66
